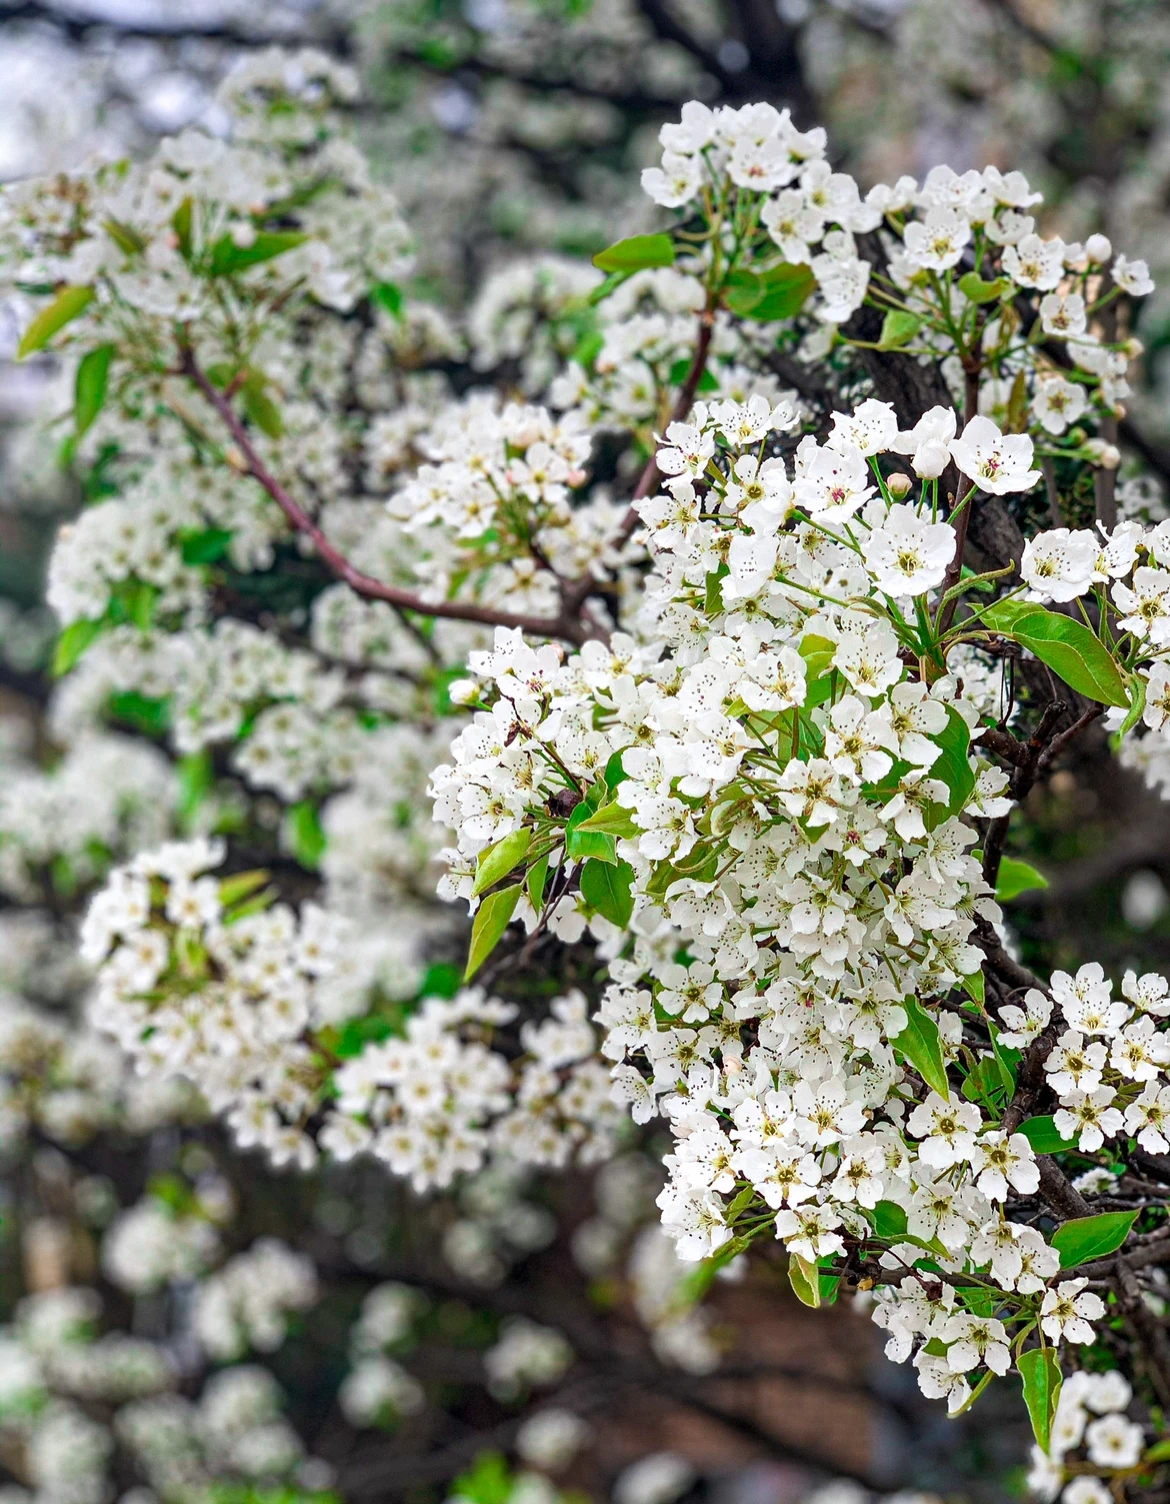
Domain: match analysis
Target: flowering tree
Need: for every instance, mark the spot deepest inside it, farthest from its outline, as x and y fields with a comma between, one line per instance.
x=725, y=644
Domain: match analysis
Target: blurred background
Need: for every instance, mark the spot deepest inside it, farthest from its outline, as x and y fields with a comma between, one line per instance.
x=508, y=129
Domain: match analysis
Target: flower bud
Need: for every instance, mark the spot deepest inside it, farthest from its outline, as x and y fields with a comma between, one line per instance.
x=1098, y=249
x=462, y=691
x=899, y=485
x=243, y=235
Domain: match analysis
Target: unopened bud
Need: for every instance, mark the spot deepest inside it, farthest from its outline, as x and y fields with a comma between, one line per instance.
x=243, y=235
x=899, y=485
x=462, y=691
x=236, y=460
x=1133, y=347
x=1098, y=248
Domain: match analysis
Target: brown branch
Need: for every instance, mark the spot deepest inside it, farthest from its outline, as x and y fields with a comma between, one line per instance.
x=569, y=628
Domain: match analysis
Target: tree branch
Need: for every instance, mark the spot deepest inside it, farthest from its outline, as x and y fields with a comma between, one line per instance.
x=569, y=628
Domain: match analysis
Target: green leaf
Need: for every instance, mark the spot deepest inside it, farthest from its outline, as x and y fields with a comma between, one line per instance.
x=72, y=643
x=64, y=308
x=1159, y=1452
x=491, y=920
x=181, y=224
x=1040, y=1370
x=1008, y=1059
x=1065, y=645
x=976, y=290
x=607, y=889
x=636, y=253
x=919, y=1045
x=90, y=390
x=1016, y=878
x=388, y=295
x=953, y=767
x=196, y=777
x=580, y=845
x=888, y=1219
x=125, y=237
x=205, y=546
x=805, y=1279
x=898, y=329
x=488, y=1482
x=1042, y=1134
x=974, y=987
x=498, y=860
x=610, y=285
x=1087, y=1238
x=779, y=293
x=614, y=819
x=1137, y=706
x=306, y=839
x=241, y=885
x=681, y=370
x=614, y=772
x=228, y=257
x=984, y=1083
x=260, y=407
x=535, y=881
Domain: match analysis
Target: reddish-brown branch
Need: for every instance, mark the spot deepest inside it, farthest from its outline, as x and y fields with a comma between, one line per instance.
x=567, y=626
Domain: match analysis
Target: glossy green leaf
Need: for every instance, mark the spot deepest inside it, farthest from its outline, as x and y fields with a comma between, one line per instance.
x=888, y=1219
x=1087, y=1238
x=206, y=545
x=260, y=407
x=614, y=819
x=920, y=1046
x=898, y=329
x=65, y=307
x=779, y=293
x=1040, y=1371
x=491, y=920
x=1042, y=1134
x=388, y=295
x=1015, y=878
x=228, y=257
x=72, y=643
x=1065, y=645
x=1137, y=706
x=974, y=987
x=306, y=839
x=590, y=843
x=1159, y=1452
x=535, y=881
x=636, y=253
x=90, y=388
x=953, y=767
x=498, y=860
x=976, y=290
x=805, y=1279
x=607, y=889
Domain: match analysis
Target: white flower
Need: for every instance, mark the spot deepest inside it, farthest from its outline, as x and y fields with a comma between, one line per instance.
x=1033, y=262
x=1063, y=314
x=937, y=242
x=1067, y=1311
x=997, y=463
x=1133, y=276
x=675, y=183
x=928, y=442
x=1057, y=403
x=908, y=555
x=1114, y=1441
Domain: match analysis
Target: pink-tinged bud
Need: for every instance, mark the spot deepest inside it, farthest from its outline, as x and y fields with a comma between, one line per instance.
x=899, y=485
